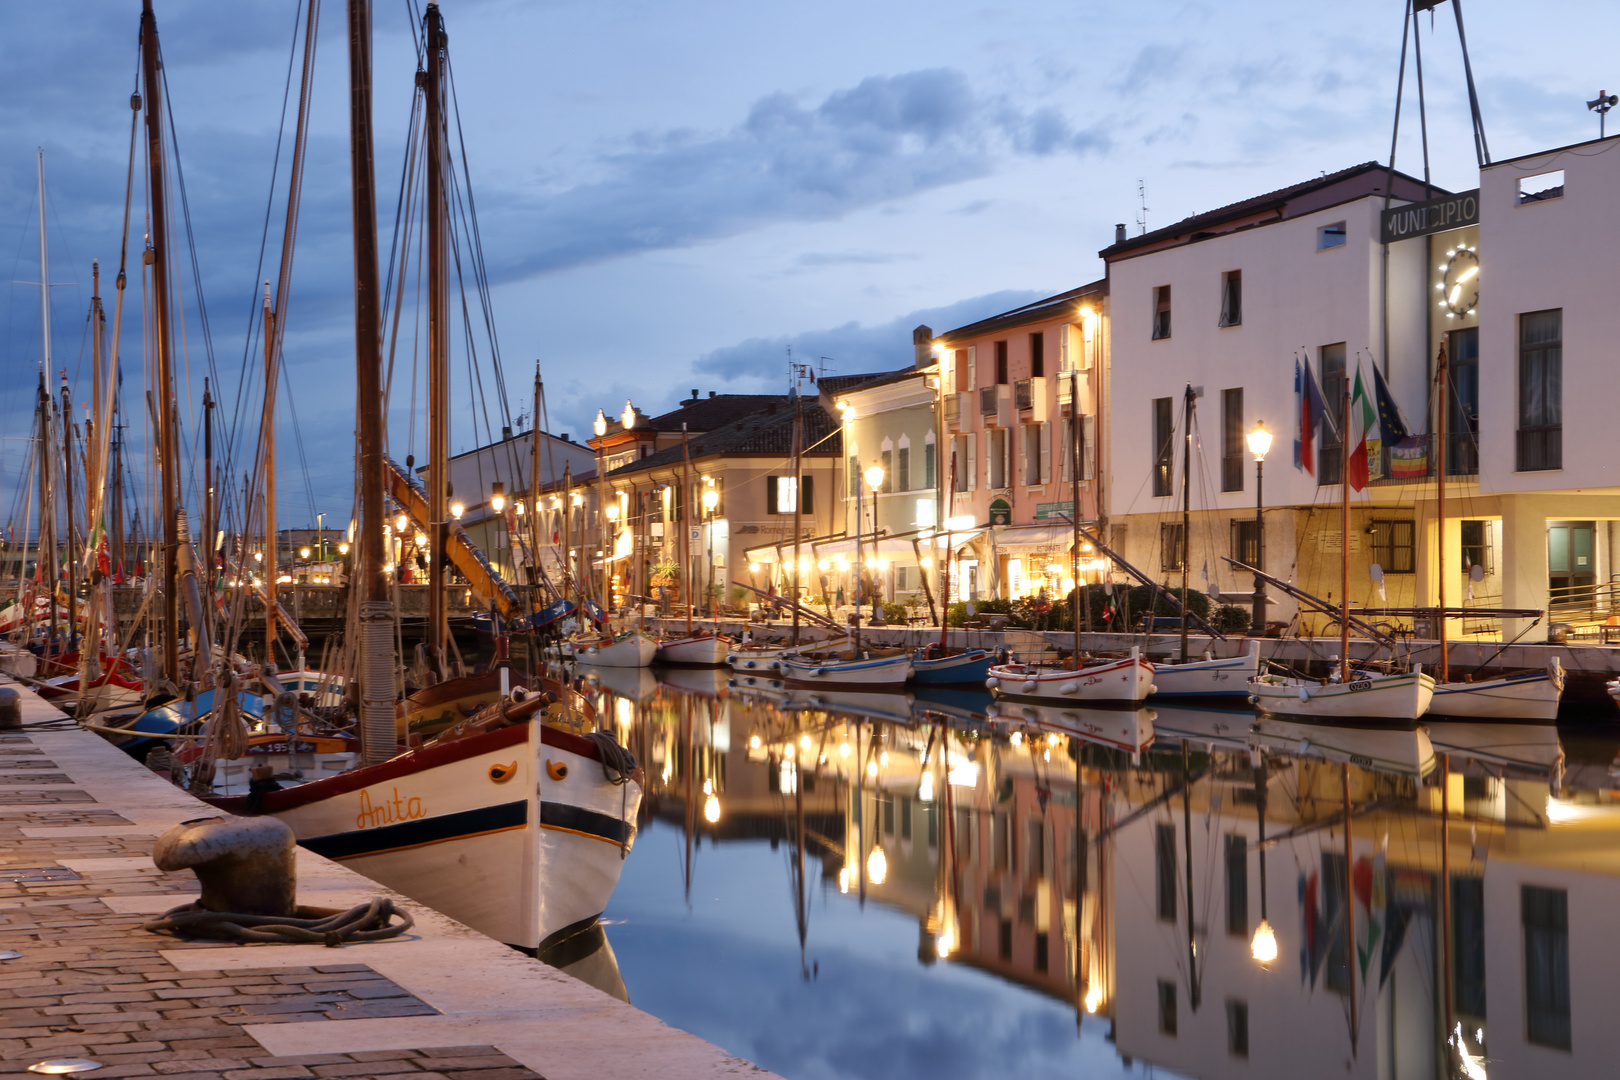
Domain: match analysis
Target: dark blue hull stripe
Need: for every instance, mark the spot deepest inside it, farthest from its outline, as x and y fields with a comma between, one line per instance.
x=555, y=815
x=433, y=830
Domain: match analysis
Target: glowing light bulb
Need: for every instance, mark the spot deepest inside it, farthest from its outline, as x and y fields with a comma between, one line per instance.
x=843, y=749
x=804, y=741
x=1093, y=997
x=1264, y=946
x=877, y=866
x=711, y=809
x=753, y=742
x=871, y=769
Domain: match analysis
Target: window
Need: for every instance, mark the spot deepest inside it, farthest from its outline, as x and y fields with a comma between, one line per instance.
x=1246, y=541
x=779, y=495
x=900, y=578
x=1001, y=363
x=902, y=481
x=1394, y=546
x=1237, y=885
x=1164, y=449
x=1037, y=355
x=1000, y=841
x=1330, y=467
x=930, y=463
x=1330, y=236
x=1476, y=546
x=888, y=814
x=1172, y=545
x=1034, y=848
x=996, y=463
x=1006, y=939
x=1232, y=445
x=854, y=473
x=964, y=377
x=886, y=459
x=1036, y=460
x=1462, y=403
x=905, y=812
x=931, y=815
x=1237, y=1028
x=925, y=514
x=1065, y=449
x=1541, y=391
x=1548, y=185
x=1167, y=1007
x=1161, y=312
x=1164, y=871
x=1468, y=945
x=1232, y=298
x=1042, y=962
x=1545, y=913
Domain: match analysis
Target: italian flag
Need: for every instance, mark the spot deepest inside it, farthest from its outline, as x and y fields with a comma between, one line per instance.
x=1363, y=418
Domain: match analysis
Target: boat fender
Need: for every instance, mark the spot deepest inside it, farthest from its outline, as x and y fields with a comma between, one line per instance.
x=820, y=672
x=1253, y=700
x=992, y=682
x=1029, y=686
x=1304, y=694
x=1152, y=689
x=1069, y=688
x=749, y=664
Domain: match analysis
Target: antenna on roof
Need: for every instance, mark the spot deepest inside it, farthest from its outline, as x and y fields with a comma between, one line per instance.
x=1141, y=198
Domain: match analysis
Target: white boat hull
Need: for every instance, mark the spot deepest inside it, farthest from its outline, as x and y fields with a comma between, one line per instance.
x=1375, y=697
x=1128, y=680
x=1402, y=748
x=1130, y=730
x=515, y=833
x=708, y=650
x=1515, y=697
x=883, y=671
x=1227, y=678
x=635, y=651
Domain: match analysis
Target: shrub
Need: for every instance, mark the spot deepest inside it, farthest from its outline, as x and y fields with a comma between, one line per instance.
x=1230, y=619
x=894, y=613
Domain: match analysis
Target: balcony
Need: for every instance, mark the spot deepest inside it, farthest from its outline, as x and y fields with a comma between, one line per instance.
x=953, y=408
x=1029, y=395
x=987, y=400
x=995, y=405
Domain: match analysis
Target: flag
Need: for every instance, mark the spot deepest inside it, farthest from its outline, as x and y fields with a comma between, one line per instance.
x=1363, y=417
x=1369, y=885
x=1309, y=404
x=1409, y=458
x=1391, y=424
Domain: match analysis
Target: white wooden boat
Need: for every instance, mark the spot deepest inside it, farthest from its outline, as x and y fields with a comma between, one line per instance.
x=705, y=650
x=1531, y=749
x=1400, y=747
x=515, y=831
x=1131, y=730
x=755, y=658
x=1367, y=696
x=1225, y=678
x=808, y=669
x=1531, y=695
x=632, y=650
x=1210, y=728
x=1127, y=680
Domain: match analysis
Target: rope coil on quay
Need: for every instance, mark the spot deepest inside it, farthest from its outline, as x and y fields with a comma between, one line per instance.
x=371, y=921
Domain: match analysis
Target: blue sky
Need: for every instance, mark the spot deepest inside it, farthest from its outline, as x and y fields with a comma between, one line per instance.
x=672, y=196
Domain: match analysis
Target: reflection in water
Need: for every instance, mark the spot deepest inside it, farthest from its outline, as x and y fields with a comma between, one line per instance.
x=944, y=885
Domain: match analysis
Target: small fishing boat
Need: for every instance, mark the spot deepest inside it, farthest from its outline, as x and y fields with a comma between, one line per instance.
x=816, y=669
x=1129, y=680
x=930, y=668
x=1208, y=679
x=633, y=649
x=1392, y=746
x=431, y=709
x=753, y=656
x=694, y=650
x=1130, y=730
x=1521, y=749
x=1364, y=696
x=1529, y=695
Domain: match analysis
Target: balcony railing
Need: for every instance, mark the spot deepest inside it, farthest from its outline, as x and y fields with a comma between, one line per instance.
x=987, y=400
x=1022, y=394
x=953, y=408
x=1540, y=448
x=1414, y=461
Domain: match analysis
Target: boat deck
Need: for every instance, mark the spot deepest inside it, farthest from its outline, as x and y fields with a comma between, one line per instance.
x=78, y=819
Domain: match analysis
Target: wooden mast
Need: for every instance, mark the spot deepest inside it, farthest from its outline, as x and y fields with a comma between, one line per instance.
x=1074, y=512
x=534, y=494
x=1185, y=554
x=267, y=435
x=1442, y=375
x=168, y=443
x=798, y=508
x=438, y=474
x=684, y=502
x=210, y=506
x=378, y=739
x=70, y=543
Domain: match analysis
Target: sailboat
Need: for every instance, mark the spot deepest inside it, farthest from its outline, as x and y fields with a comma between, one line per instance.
x=1349, y=695
x=516, y=820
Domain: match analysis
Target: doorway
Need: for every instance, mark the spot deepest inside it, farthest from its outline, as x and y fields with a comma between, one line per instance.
x=1571, y=557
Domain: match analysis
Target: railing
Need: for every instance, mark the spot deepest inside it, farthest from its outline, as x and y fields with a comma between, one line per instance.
x=1232, y=474
x=1584, y=608
x=987, y=400
x=953, y=408
x=1414, y=461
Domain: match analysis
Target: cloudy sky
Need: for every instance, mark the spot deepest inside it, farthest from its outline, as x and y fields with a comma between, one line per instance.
x=674, y=195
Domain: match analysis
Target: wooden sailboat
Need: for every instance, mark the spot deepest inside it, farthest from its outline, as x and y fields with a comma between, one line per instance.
x=1350, y=695
x=693, y=647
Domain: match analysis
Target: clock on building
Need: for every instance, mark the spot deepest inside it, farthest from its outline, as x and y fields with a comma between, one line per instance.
x=1459, y=282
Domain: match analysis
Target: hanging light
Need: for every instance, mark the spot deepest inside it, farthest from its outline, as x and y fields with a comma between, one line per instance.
x=303, y=553
x=1264, y=946
x=497, y=497
x=456, y=510
x=711, y=499
x=1093, y=997
x=711, y=809
x=517, y=507
x=399, y=524
x=877, y=866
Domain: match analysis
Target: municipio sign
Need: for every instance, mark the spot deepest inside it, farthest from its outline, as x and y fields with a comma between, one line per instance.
x=1424, y=218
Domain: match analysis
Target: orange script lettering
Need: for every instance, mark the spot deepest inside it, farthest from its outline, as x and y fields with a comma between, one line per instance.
x=387, y=812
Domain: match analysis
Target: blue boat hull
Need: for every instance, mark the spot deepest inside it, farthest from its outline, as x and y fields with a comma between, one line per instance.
x=962, y=670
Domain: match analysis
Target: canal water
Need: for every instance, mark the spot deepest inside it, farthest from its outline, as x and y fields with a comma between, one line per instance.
x=855, y=885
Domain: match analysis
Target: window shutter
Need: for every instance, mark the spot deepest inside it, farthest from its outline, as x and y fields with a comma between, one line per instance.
x=972, y=367
x=972, y=461
x=773, y=489
x=1088, y=447
x=1046, y=453
x=807, y=501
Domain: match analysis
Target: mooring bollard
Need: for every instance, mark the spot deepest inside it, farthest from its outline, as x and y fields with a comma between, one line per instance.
x=245, y=865
x=10, y=709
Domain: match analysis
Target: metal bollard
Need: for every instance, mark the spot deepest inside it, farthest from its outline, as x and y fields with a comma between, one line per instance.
x=10, y=709
x=246, y=865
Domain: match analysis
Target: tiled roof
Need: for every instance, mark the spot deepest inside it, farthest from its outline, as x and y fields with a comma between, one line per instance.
x=1038, y=311
x=766, y=431
x=710, y=413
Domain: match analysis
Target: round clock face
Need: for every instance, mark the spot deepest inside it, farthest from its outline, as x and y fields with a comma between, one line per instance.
x=1459, y=282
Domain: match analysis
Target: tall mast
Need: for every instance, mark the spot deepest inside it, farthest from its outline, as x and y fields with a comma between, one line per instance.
x=210, y=508
x=1344, y=559
x=378, y=739
x=44, y=275
x=687, y=512
x=534, y=493
x=69, y=544
x=438, y=475
x=168, y=443
x=798, y=506
x=1074, y=509
x=568, y=534
x=1186, y=511
x=267, y=433
x=45, y=409
x=1444, y=378
x=45, y=535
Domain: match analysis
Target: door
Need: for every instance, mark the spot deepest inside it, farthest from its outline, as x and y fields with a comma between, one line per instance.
x=1571, y=564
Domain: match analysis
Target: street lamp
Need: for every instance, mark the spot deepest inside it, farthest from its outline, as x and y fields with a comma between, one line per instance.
x=456, y=510
x=874, y=481
x=1259, y=441
x=497, y=496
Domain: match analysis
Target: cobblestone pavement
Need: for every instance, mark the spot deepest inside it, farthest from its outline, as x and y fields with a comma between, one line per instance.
x=91, y=984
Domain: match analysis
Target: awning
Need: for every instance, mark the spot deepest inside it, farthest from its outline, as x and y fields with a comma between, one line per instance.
x=893, y=548
x=1016, y=539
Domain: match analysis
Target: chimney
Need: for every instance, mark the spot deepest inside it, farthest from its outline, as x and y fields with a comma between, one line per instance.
x=506, y=431
x=711, y=393
x=922, y=346
x=1119, y=233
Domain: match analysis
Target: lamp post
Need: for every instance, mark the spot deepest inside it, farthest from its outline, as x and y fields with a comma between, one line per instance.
x=1259, y=441
x=711, y=499
x=874, y=481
